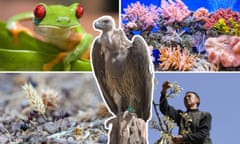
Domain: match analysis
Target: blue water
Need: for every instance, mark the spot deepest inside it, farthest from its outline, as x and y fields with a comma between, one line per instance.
x=216, y=4
x=211, y=5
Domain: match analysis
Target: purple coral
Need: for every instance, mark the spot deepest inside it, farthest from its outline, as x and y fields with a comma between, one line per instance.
x=174, y=11
x=139, y=16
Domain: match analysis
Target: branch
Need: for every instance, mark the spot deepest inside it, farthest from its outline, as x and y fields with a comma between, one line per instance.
x=158, y=116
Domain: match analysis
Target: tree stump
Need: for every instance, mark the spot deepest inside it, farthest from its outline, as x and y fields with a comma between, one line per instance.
x=127, y=129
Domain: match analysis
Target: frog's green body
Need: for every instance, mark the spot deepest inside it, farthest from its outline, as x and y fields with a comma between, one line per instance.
x=60, y=26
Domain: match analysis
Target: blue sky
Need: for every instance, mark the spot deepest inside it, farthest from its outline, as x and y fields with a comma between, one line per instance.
x=219, y=94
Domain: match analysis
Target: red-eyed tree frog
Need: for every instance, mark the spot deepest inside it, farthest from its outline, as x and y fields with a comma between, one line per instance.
x=59, y=25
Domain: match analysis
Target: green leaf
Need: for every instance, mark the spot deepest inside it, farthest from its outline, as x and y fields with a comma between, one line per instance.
x=30, y=54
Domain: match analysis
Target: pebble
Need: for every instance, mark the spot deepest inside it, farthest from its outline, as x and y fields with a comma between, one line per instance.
x=3, y=139
x=24, y=103
x=2, y=128
x=63, y=124
x=34, y=140
x=14, y=116
x=50, y=127
x=15, y=126
x=8, y=120
x=71, y=140
x=41, y=119
x=102, y=139
x=24, y=137
x=60, y=141
x=4, y=103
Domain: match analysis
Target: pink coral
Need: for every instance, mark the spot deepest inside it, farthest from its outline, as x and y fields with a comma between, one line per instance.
x=174, y=11
x=201, y=14
x=224, y=50
x=141, y=16
x=225, y=14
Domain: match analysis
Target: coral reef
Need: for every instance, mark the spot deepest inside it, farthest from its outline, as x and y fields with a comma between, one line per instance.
x=202, y=64
x=174, y=29
x=139, y=16
x=224, y=50
x=201, y=14
x=222, y=27
x=224, y=14
x=174, y=11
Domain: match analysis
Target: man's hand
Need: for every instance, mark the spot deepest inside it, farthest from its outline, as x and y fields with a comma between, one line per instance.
x=165, y=86
x=177, y=139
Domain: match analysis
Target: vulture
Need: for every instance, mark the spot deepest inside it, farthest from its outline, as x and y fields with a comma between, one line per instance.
x=123, y=69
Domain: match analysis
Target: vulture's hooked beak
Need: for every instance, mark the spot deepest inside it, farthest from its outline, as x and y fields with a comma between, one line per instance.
x=98, y=25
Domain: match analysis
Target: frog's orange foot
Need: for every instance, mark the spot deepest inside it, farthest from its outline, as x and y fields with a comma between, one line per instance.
x=15, y=29
x=49, y=66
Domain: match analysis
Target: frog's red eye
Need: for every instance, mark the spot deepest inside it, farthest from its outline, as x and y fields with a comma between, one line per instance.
x=39, y=11
x=79, y=11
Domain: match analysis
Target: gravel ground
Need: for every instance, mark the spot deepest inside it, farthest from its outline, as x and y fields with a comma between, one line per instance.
x=75, y=116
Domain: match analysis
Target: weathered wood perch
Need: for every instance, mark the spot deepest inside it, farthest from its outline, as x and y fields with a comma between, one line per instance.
x=127, y=129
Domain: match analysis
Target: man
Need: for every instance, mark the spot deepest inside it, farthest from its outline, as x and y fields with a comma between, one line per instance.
x=194, y=125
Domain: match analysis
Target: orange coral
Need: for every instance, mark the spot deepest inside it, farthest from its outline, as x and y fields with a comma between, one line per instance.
x=201, y=14
x=173, y=58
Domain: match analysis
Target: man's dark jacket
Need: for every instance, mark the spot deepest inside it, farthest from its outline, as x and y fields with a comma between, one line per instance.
x=200, y=126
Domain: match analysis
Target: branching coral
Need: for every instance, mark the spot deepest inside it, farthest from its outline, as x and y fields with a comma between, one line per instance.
x=139, y=16
x=202, y=64
x=201, y=14
x=224, y=14
x=174, y=59
x=172, y=36
x=174, y=11
x=199, y=39
x=224, y=50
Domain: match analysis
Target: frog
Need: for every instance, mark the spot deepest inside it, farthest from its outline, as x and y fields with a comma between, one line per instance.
x=60, y=26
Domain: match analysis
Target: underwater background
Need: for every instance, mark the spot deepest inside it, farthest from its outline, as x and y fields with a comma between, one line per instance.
x=211, y=5
x=185, y=35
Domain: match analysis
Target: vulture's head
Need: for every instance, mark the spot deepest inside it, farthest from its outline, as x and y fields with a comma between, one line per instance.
x=105, y=23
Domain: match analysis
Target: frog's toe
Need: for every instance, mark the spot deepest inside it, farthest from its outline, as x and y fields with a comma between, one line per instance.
x=49, y=66
x=15, y=29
